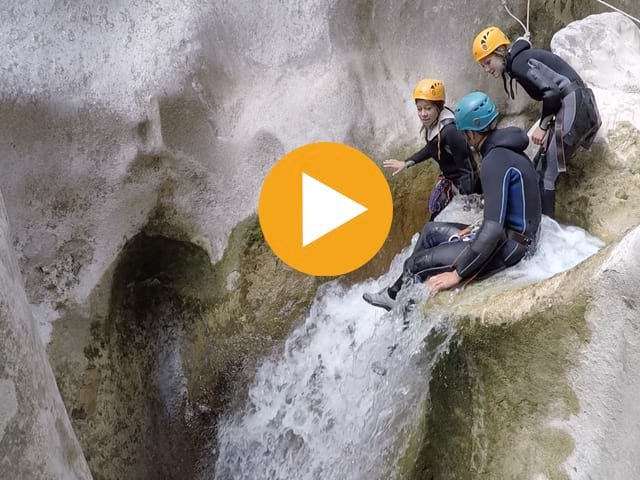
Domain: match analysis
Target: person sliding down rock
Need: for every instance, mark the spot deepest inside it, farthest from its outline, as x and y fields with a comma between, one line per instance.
x=445, y=144
x=448, y=253
x=569, y=117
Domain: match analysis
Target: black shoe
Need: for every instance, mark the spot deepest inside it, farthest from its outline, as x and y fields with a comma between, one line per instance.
x=380, y=299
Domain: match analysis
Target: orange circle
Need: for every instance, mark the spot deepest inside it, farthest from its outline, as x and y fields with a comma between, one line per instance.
x=341, y=169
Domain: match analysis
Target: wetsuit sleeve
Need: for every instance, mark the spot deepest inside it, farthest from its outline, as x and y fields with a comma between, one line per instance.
x=420, y=156
x=491, y=234
x=549, y=90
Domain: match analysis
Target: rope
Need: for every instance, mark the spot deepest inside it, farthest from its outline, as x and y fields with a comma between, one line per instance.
x=527, y=33
x=618, y=10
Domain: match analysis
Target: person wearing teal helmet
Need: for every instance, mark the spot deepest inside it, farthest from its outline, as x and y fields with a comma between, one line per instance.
x=448, y=253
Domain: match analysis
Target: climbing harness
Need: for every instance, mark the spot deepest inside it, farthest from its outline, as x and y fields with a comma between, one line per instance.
x=467, y=234
x=441, y=195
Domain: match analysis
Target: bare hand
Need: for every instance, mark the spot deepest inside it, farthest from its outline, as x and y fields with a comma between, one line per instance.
x=538, y=135
x=443, y=281
x=393, y=163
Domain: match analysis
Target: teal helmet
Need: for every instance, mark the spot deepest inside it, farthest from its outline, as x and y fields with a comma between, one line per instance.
x=476, y=112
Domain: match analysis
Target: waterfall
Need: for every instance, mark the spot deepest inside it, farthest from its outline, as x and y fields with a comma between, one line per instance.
x=338, y=401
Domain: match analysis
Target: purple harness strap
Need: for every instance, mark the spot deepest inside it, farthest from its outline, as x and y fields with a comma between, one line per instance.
x=441, y=195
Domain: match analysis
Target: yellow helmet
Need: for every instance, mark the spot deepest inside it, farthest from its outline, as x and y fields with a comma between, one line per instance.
x=429, y=89
x=487, y=41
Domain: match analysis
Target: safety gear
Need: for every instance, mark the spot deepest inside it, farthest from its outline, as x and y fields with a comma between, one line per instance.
x=487, y=41
x=380, y=299
x=476, y=112
x=429, y=89
x=441, y=196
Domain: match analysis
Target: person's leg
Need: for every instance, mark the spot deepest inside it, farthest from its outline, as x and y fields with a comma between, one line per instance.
x=432, y=261
x=433, y=234
x=508, y=255
x=548, y=174
x=558, y=153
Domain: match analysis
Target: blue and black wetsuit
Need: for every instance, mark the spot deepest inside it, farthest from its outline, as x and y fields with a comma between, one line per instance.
x=568, y=108
x=510, y=225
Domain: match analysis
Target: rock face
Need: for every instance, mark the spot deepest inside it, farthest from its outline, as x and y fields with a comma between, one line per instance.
x=544, y=388
x=175, y=345
x=598, y=191
x=36, y=438
x=185, y=107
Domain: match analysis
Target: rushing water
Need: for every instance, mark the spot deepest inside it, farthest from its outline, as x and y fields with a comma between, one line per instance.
x=334, y=403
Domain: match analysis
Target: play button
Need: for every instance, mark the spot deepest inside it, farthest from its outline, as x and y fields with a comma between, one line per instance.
x=325, y=209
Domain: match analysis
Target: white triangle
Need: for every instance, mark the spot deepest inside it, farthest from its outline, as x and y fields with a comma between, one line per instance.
x=324, y=209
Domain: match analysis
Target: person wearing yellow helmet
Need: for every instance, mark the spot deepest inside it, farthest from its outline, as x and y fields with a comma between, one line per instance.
x=569, y=117
x=445, y=144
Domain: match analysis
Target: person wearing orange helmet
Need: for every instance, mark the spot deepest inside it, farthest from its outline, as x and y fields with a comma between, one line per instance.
x=569, y=117
x=445, y=144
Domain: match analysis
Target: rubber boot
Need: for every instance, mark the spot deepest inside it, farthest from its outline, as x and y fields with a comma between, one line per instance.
x=549, y=203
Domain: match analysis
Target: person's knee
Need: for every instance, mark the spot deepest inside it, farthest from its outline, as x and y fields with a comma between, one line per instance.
x=428, y=229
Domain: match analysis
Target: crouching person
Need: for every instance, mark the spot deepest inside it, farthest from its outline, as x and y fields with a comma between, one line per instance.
x=448, y=253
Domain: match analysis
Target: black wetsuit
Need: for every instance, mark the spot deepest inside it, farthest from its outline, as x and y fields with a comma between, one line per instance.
x=453, y=157
x=548, y=78
x=510, y=225
x=537, y=85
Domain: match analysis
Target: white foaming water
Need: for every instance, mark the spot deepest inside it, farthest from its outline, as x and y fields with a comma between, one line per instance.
x=335, y=402
x=560, y=248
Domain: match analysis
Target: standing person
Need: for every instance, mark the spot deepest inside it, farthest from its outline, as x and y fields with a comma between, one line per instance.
x=569, y=117
x=445, y=144
x=448, y=253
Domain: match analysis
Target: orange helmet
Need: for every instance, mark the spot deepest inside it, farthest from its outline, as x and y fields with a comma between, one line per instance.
x=429, y=89
x=487, y=41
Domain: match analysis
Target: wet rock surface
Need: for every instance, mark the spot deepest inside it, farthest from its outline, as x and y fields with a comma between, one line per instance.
x=36, y=438
x=177, y=345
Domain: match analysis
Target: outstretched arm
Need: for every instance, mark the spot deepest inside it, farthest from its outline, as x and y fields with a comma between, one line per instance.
x=420, y=156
